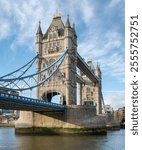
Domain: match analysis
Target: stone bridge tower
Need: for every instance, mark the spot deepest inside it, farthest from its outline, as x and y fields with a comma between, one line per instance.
x=91, y=92
x=50, y=46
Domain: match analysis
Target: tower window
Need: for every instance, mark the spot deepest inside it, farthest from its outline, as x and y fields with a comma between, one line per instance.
x=54, y=35
x=54, y=44
x=88, y=90
x=50, y=45
x=50, y=36
x=43, y=65
x=44, y=48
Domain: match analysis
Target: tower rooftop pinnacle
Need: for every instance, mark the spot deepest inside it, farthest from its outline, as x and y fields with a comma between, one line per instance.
x=39, y=31
x=68, y=22
x=57, y=15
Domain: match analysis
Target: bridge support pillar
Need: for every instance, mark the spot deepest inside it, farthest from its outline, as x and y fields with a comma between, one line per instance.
x=80, y=93
x=26, y=120
x=74, y=120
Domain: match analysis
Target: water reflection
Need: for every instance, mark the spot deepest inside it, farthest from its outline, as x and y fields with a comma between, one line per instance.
x=9, y=141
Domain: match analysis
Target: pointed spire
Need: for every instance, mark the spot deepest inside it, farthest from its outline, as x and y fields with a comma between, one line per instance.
x=68, y=22
x=98, y=66
x=57, y=15
x=39, y=31
x=73, y=27
x=98, y=70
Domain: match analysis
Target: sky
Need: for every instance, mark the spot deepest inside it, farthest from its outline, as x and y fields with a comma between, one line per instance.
x=99, y=27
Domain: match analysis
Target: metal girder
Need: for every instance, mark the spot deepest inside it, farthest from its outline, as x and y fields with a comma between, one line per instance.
x=80, y=79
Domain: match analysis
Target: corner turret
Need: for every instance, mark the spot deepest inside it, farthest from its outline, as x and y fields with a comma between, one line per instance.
x=68, y=22
x=39, y=37
x=98, y=71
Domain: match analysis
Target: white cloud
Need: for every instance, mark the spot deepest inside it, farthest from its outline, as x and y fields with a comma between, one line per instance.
x=5, y=28
x=20, y=19
x=106, y=49
x=114, y=3
x=87, y=10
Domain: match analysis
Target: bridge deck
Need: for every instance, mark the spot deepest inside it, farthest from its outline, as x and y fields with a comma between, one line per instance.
x=15, y=102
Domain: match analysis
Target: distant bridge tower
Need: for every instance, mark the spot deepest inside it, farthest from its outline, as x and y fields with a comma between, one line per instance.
x=50, y=46
x=91, y=92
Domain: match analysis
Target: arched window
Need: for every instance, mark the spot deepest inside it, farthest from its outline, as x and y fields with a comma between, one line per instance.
x=50, y=36
x=88, y=90
x=43, y=65
x=54, y=35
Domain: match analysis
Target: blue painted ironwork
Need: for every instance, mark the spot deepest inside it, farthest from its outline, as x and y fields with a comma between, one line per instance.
x=9, y=101
x=34, y=80
x=22, y=70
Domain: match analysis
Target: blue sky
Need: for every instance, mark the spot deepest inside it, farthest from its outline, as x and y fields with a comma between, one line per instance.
x=100, y=30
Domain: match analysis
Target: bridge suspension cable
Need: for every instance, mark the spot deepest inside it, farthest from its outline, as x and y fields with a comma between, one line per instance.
x=103, y=103
x=27, y=82
x=21, y=71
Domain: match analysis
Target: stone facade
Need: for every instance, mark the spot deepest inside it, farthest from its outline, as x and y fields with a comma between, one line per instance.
x=90, y=93
x=119, y=114
x=76, y=120
x=50, y=46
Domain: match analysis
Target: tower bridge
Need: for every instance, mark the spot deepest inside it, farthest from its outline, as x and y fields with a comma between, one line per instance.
x=56, y=73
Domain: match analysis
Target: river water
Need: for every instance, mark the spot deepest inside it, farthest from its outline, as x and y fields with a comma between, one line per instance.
x=114, y=140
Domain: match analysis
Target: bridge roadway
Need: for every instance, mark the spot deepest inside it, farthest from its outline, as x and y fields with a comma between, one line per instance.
x=15, y=102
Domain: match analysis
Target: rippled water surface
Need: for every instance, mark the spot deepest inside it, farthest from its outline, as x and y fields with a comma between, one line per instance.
x=114, y=140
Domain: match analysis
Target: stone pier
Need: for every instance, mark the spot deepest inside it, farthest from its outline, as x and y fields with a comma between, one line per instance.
x=75, y=120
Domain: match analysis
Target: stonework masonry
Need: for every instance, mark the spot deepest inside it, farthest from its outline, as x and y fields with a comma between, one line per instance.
x=76, y=119
x=90, y=93
x=50, y=46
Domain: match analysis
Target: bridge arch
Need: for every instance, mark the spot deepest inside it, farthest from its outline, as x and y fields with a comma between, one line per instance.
x=54, y=96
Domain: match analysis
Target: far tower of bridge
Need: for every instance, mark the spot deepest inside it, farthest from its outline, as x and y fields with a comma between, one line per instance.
x=90, y=92
x=50, y=46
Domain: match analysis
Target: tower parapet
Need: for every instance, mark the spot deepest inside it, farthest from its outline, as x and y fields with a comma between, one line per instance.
x=39, y=37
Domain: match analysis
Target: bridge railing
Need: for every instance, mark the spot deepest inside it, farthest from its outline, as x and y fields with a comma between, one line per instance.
x=25, y=100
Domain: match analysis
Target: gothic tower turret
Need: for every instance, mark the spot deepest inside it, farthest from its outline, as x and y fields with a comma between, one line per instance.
x=39, y=36
x=98, y=71
x=91, y=94
x=68, y=34
x=99, y=89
